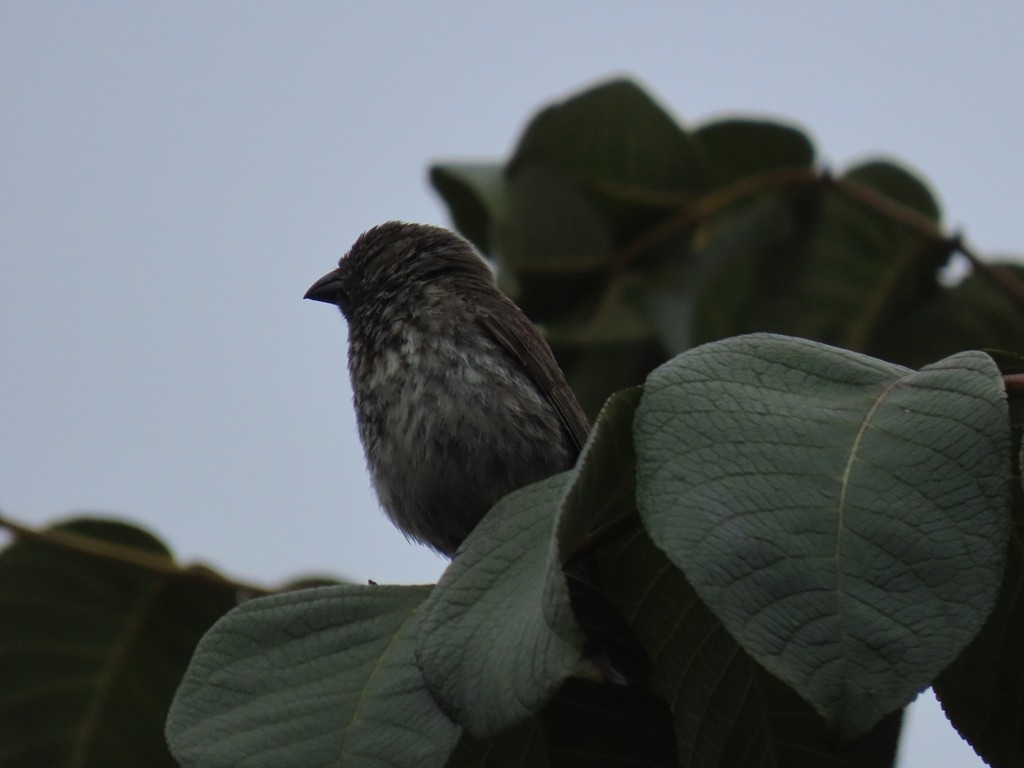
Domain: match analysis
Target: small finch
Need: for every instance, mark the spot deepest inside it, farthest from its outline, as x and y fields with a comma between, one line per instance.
x=458, y=398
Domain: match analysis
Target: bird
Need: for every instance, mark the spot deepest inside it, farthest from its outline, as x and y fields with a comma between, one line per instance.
x=458, y=397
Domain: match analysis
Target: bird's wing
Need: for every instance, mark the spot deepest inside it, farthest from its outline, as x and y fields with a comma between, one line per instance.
x=513, y=331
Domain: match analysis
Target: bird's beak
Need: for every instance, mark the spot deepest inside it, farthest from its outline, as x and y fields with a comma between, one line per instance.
x=327, y=289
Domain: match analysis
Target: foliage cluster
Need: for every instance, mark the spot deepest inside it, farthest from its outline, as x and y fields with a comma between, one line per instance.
x=799, y=506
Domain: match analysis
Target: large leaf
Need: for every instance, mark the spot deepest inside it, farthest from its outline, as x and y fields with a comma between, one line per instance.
x=612, y=133
x=726, y=711
x=859, y=269
x=844, y=518
x=550, y=226
x=729, y=269
x=475, y=194
x=92, y=648
x=898, y=184
x=978, y=313
x=497, y=635
x=831, y=266
x=318, y=677
x=981, y=692
x=620, y=150
x=603, y=488
x=617, y=318
x=734, y=149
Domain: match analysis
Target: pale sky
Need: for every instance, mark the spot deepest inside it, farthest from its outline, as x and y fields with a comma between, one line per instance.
x=173, y=176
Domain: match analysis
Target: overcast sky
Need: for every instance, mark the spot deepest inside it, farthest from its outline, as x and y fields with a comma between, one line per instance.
x=173, y=176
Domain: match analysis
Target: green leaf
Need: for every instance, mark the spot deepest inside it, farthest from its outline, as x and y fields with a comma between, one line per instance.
x=497, y=635
x=727, y=711
x=727, y=273
x=550, y=226
x=318, y=677
x=985, y=314
x=92, y=649
x=980, y=692
x=850, y=275
x=844, y=518
x=617, y=318
x=613, y=133
x=735, y=149
x=897, y=183
x=603, y=487
x=975, y=314
x=475, y=195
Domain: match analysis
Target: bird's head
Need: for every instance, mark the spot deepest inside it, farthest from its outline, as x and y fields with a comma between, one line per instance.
x=398, y=259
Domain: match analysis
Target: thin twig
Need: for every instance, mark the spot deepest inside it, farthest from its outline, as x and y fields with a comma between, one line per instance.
x=700, y=208
x=1014, y=383
x=917, y=221
x=713, y=202
x=898, y=212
